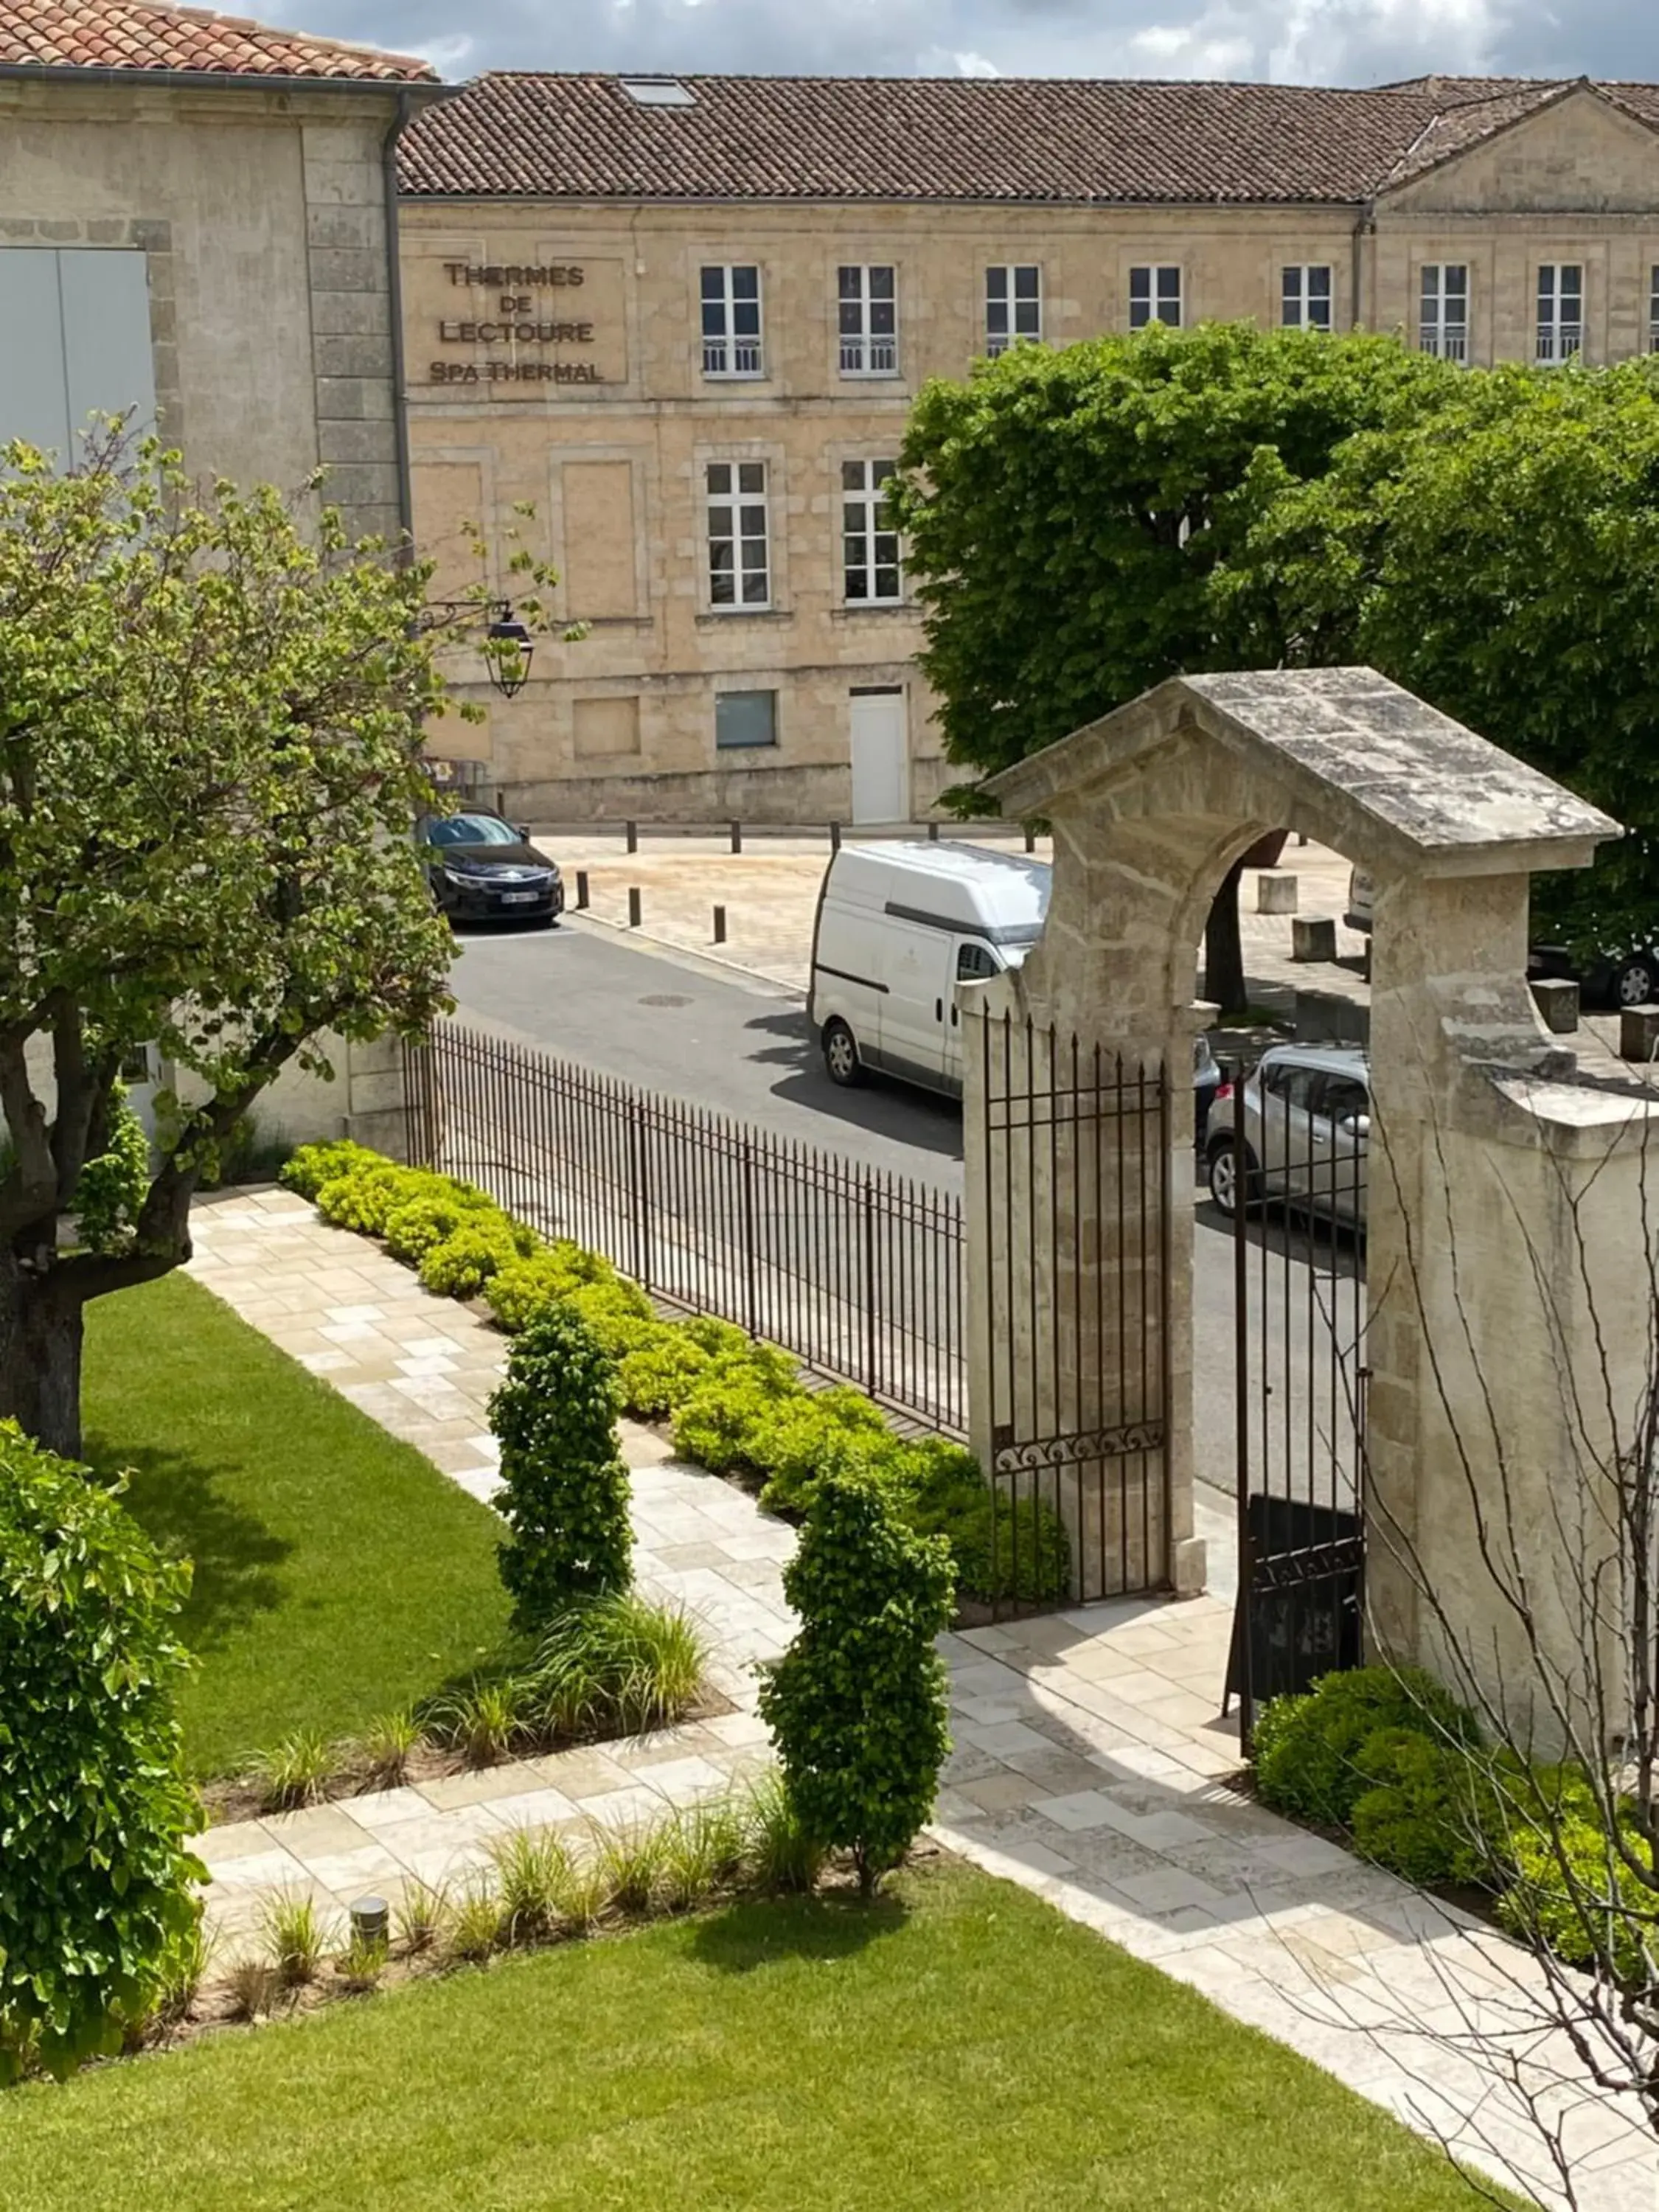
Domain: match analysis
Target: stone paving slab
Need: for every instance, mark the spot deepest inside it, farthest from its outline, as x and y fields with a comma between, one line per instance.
x=1088, y=1764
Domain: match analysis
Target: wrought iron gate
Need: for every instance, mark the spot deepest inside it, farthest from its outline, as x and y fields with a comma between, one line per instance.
x=1072, y=1191
x=1299, y=1126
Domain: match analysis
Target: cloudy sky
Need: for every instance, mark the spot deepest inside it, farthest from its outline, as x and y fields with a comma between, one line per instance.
x=1326, y=41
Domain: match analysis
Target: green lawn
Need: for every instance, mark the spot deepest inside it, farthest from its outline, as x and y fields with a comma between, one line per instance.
x=961, y=2046
x=337, y=1573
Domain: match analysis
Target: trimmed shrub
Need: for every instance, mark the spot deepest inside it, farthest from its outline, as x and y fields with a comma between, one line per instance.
x=565, y=1495
x=1002, y=1547
x=662, y=1373
x=111, y=1191
x=722, y=1425
x=1428, y=1811
x=858, y=1704
x=802, y=1438
x=662, y=1366
x=1309, y=1751
x=619, y=1313
x=518, y=1293
x=413, y=1227
x=95, y=1808
x=308, y=1167
x=467, y=1258
x=362, y=1197
x=1574, y=1895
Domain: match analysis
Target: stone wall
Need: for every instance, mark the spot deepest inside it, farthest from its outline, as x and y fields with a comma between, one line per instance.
x=261, y=215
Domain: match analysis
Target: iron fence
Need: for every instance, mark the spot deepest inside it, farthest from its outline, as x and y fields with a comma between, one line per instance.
x=856, y=1271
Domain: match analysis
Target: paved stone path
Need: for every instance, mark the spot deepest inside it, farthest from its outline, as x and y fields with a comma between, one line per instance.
x=1088, y=1758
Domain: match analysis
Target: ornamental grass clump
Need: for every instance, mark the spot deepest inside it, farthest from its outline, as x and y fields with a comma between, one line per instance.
x=565, y=1490
x=858, y=1704
x=95, y=1811
x=615, y=1665
x=295, y=1771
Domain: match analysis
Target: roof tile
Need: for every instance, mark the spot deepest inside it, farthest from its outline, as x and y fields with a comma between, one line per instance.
x=1067, y=140
x=153, y=34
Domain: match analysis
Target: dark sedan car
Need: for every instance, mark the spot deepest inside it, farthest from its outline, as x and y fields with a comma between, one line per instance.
x=482, y=868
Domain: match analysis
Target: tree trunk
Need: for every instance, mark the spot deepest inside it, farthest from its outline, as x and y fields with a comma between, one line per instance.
x=1223, y=949
x=41, y=1329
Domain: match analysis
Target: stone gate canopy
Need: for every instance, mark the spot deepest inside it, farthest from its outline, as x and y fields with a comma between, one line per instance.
x=1152, y=804
x=1395, y=774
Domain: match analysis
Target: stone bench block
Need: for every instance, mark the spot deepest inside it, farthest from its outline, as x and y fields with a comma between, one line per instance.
x=1275, y=891
x=1557, y=1001
x=1638, y=1034
x=1328, y=1018
x=1313, y=939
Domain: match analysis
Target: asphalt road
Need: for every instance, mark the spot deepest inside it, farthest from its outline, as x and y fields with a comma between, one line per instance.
x=675, y=1024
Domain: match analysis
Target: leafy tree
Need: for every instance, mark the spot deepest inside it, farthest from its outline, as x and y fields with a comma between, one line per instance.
x=1066, y=512
x=858, y=1705
x=566, y=1489
x=211, y=714
x=1499, y=555
x=95, y=1808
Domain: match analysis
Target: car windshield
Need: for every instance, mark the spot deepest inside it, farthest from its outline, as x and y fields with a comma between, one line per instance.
x=472, y=830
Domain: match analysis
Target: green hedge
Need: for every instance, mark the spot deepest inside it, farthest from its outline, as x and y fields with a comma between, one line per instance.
x=1391, y=1758
x=736, y=1406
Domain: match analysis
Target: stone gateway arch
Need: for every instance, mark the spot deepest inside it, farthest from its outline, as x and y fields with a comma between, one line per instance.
x=1509, y=1248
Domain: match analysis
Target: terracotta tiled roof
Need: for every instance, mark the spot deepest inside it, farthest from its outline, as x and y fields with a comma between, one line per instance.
x=153, y=35
x=976, y=138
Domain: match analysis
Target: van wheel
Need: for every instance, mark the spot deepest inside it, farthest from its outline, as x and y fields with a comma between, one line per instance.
x=840, y=1055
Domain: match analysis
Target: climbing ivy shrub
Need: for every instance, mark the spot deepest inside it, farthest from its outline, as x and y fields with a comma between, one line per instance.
x=95, y=1806
x=858, y=1705
x=565, y=1495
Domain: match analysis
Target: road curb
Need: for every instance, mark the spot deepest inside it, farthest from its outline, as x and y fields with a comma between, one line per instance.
x=664, y=948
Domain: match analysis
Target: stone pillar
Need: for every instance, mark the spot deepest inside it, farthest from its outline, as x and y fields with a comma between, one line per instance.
x=377, y=1098
x=1511, y=1280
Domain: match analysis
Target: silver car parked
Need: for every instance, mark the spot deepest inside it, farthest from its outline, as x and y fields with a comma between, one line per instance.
x=1305, y=1112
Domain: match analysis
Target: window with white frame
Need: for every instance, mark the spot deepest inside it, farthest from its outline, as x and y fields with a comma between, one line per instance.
x=1013, y=305
x=731, y=321
x=1560, y=310
x=867, y=310
x=1305, y=296
x=739, y=549
x=871, y=570
x=1443, y=310
x=1155, y=296
x=1653, y=308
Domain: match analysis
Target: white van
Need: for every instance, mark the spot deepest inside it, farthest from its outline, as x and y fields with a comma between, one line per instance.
x=897, y=926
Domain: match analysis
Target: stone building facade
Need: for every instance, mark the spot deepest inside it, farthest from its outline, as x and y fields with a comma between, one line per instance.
x=195, y=222
x=198, y=224
x=685, y=321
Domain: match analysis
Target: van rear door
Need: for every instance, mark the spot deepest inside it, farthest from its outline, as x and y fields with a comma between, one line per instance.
x=919, y=969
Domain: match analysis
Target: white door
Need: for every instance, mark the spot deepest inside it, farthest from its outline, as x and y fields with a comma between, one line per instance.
x=881, y=763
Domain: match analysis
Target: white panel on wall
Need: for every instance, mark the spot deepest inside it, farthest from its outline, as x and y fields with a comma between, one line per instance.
x=34, y=389
x=74, y=339
x=107, y=349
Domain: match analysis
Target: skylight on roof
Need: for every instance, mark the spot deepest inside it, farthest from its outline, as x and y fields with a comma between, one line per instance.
x=657, y=92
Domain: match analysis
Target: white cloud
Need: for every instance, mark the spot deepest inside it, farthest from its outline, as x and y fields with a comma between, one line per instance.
x=1327, y=42
x=453, y=56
